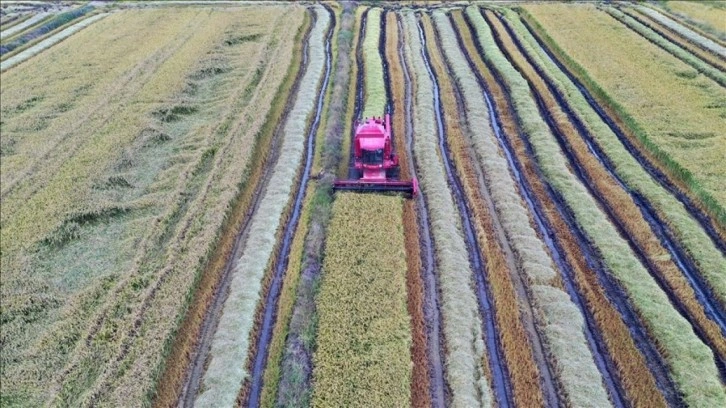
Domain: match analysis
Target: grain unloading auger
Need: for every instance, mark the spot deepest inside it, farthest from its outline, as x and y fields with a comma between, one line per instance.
x=375, y=166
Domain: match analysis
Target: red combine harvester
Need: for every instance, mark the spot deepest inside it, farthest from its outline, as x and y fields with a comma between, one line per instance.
x=375, y=167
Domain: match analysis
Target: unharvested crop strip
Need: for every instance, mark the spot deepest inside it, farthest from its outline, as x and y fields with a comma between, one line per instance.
x=224, y=377
x=422, y=393
x=375, y=91
x=568, y=239
x=663, y=262
x=515, y=340
x=659, y=165
x=670, y=329
x=462, y=326
x=677, y=230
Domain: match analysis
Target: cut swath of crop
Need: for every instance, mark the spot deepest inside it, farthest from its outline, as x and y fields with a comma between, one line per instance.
x=420, y=383
x=363, y=321
x=690, y=234
x=578, y=374
x=614, y=198
x=465, y=348
x=685, y=352
x=677, y=132
x=226, y=371
x=515, y=342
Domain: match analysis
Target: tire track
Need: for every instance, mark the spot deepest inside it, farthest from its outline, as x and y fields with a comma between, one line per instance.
x=500, y=375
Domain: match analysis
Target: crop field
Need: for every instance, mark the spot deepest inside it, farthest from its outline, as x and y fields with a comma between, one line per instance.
x=172, y=233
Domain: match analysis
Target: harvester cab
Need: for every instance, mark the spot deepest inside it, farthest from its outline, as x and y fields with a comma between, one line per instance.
x=375, y=167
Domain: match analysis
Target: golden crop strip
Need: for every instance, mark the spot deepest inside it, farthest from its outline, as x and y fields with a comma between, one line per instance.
x=684, y=351
x=645, y=80
x=352, y=94
x=364, y=337
x=462, y=325
x=616, y=198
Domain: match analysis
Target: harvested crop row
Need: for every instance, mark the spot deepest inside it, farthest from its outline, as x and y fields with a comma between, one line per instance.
x=714, y=60
x=35, y=34
x=363, y=321
x=690, y=360
x=20, y=26
x=375, y=92
x=685, y=54
x=567, y=350
x=616, y=201
x=696, y=242
x=465, y=349
x=225, y=373
x=677, y=133
x=179, y=363
x=634, y=372
x=684, y=31
x=703, y=17
x=48, y=42
x=420, y=383
x=515, y=342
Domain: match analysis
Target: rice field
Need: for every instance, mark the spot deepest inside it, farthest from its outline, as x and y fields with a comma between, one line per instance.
x=171, y=234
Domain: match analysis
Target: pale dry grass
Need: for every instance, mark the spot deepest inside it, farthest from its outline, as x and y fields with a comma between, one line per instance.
x=691, y=361
x=226, y=370
x=465, y=348
x=686, y=32
x=710, y=15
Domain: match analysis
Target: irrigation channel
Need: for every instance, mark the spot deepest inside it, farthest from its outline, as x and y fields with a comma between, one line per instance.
x=432, y=311
x=500, y=376
x=270, y=305
x=194, y=374
x=615, y=294
x=659, y=227
x=656, y=173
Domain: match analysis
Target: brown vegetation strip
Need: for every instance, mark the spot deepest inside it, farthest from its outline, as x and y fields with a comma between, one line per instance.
x=513, y=337
x=616, y=199
x=632, y=368
x=665, y=32
x=420, y=396
x=183, y=350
